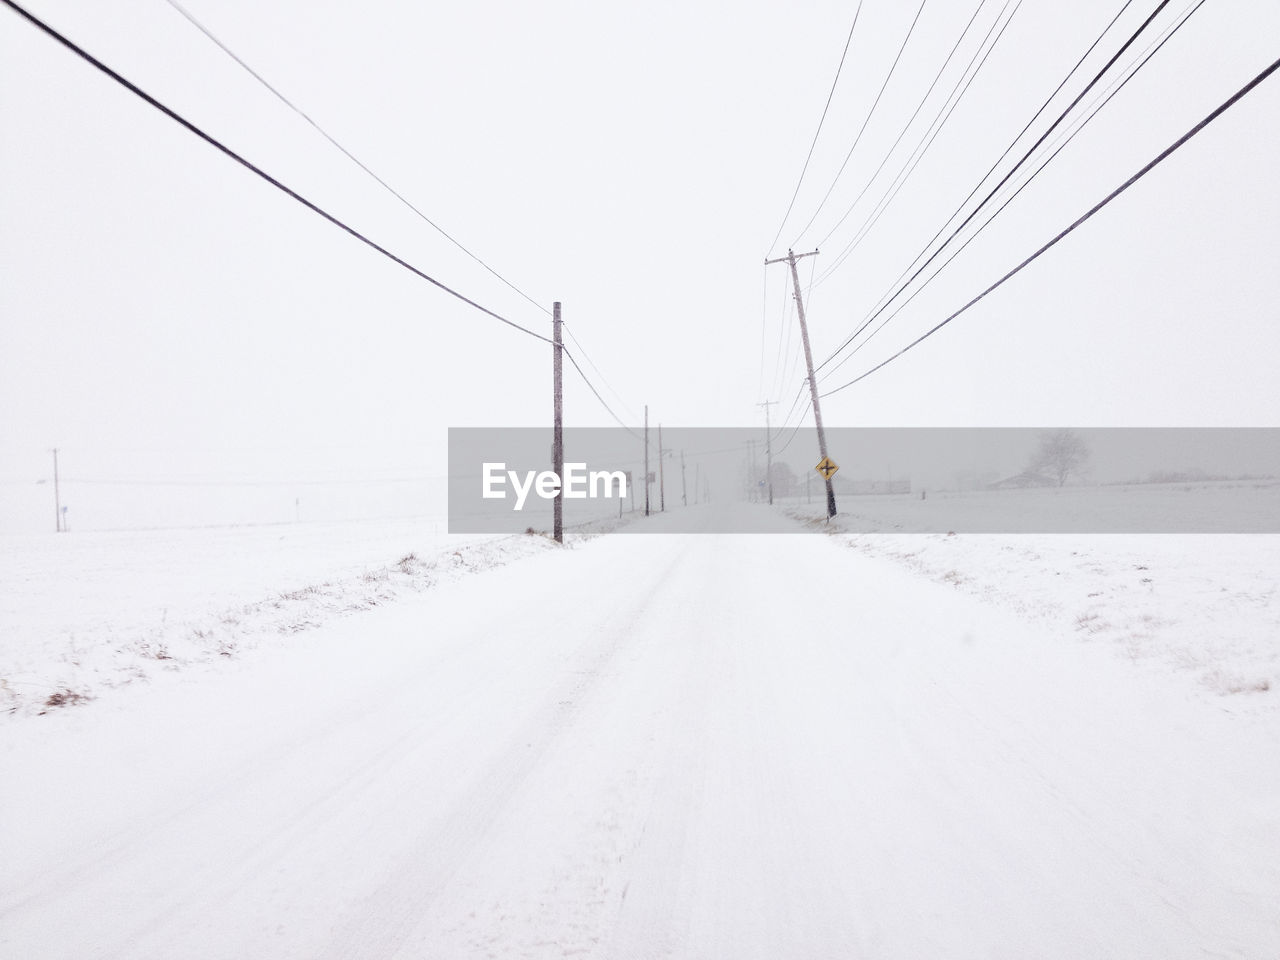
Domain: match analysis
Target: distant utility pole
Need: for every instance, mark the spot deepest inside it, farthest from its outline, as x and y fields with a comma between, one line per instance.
x=791, y=258
x=697, y=480
x=662, y=475
x=646, y=459
x=557, y=434
x=768, y=446
x=684, y=488
x=57, y=497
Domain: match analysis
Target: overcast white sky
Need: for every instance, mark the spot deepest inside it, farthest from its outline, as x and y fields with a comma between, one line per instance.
x=166, y=315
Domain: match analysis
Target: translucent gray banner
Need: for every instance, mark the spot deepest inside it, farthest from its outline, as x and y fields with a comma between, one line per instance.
x=922, y=480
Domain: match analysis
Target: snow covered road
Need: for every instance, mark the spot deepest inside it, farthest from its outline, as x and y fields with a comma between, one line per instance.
x=666, y=746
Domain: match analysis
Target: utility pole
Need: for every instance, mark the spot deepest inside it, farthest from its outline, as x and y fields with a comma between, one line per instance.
x=684, y=488
x=768, y=446
x=791, y=258
x=662, y=475
x=646, y=459
x=557, y=431
x=57, y=497
x=697, y=481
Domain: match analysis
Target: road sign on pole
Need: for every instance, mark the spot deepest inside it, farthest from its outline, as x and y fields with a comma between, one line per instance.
x=827, y=467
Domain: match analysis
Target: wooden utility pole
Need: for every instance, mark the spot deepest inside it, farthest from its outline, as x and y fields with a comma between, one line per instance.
x=57, y=497
x=768, y=446
x=646, y=459
x=684, y=487
x=791, y=258
x=557, y=433
x=662, y=475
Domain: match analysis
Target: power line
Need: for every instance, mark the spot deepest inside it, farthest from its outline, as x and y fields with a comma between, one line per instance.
x=591, y=363
x=803, y=413
x=1098, y=76
x=907, y=126
x=347, y=153
x=783, y=328
x=1061, y=144
x=861, y=130
x=935, y=128
x=821, y=120
x=1160, y=158
x=223, y=148
x=786, y=421
x=592, y=388
x=391, y=190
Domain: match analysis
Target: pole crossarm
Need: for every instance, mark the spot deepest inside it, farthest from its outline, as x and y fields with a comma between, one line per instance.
x=791, y=256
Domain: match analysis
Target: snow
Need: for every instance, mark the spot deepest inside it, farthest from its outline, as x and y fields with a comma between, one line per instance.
x=682, y=745
x=1205, y=607
x=1228, y=506
x=85, y=613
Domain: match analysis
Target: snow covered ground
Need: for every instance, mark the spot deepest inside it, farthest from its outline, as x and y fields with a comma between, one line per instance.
x=1225, y=506
x=685, y=746
x=84, y=613
x=1203, y=608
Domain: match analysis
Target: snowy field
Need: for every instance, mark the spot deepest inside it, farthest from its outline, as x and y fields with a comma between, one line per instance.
x=815, y=744
x=1200, y=607
x=1229, y=506
x=84, y=613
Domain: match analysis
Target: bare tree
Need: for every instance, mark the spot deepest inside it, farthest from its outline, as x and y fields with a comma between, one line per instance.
x=1060, y=454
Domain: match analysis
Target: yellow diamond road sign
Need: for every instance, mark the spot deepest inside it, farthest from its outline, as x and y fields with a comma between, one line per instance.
x=826, y=468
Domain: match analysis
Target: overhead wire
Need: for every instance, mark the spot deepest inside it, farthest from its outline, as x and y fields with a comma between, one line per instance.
x=596, y=392
x=787, y=352
x=253, y=168
x=1147, y=168
x=907, y=126
x=987, y=199
x=591, y=363
x=184, y=12
x=788, y=299
x=290, y=192
x=807, y=407
x=949, y=105
x=275, y=91
x=1060, y=144
x=821, y=121
x=867, y=120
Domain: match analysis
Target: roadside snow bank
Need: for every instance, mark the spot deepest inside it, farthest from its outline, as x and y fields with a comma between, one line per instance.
x=1202, y=606
x=82, y=614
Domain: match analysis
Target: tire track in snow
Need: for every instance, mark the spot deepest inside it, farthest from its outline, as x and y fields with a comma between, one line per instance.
x=386, y=919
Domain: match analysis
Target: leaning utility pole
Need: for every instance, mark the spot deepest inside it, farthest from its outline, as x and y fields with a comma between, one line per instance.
x=646, y=459
x=791, y=258
x=557, y=432
x=768, y=446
